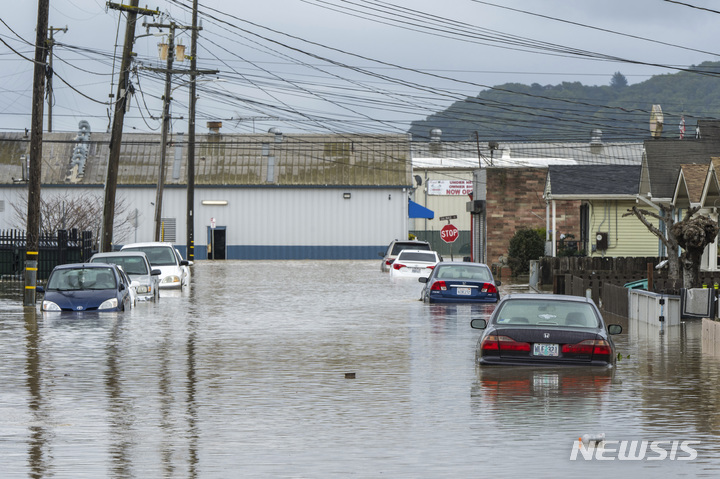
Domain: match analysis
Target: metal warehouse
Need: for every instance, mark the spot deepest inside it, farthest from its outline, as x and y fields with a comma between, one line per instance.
x=256, y=196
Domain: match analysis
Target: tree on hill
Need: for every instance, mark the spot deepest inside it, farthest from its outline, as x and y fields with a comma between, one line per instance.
x=618, y=81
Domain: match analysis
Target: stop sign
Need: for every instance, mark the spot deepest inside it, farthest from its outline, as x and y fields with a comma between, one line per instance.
x=449, y=233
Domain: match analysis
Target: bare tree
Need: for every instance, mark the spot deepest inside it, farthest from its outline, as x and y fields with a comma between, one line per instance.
x=692, y=234
x=82, y=211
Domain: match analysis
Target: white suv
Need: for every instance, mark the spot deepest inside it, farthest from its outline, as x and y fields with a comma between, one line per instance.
x=174, y=270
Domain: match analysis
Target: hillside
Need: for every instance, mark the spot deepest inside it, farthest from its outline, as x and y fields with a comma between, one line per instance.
x=570, y=111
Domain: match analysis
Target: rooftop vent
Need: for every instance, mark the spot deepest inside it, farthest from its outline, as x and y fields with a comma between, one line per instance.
x=214, y=126
x=435, y=134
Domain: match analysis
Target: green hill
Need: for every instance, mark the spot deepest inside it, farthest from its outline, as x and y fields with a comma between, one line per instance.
x=570, y=111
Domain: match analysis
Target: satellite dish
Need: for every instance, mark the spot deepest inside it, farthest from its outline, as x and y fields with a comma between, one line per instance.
x=656, y=121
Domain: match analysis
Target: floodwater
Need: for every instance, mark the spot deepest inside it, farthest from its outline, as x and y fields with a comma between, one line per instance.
x=303, y=369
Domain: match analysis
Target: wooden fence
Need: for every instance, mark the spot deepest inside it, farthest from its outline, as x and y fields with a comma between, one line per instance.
x=57, y=248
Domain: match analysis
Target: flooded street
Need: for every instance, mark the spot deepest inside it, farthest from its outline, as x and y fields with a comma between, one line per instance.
x=302, y=369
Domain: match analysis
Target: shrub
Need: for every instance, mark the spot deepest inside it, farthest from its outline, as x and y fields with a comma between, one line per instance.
x=527, y=244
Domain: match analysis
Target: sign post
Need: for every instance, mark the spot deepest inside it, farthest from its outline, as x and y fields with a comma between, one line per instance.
x=212, y=238
x=449, y=233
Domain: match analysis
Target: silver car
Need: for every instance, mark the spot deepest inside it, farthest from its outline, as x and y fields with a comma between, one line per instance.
x=135, y=264
x=175, y=273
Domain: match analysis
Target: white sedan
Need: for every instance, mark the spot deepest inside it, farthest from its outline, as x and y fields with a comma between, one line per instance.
x=414, y=263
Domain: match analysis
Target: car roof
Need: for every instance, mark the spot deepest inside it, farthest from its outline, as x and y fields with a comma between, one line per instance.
x=416, y=251
x=149, y=243
x=552, y=297
x=463, y=263
x=110, y=254
x=84, y=265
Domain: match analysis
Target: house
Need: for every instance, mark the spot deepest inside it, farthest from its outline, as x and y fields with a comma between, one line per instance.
x=602, y=194
x=509, y=181
x=257, y=196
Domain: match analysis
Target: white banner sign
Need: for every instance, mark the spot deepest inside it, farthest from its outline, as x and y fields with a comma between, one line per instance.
x=450, y=187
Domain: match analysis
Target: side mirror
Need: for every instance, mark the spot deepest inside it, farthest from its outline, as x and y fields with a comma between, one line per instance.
x=614, y=329
x=40, y=289
x=184, y=262
x=423, y=279
x=121, y=287
x=498, y=283
x=381, y=254
x=478, y=324
x=155, y=272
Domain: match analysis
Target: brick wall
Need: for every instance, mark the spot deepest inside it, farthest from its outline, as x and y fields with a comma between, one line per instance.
x=515, y=201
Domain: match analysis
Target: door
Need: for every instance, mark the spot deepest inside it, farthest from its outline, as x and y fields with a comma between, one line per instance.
x=216, y=243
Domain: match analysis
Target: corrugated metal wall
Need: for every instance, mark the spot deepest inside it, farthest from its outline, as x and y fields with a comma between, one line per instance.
x=268, y=223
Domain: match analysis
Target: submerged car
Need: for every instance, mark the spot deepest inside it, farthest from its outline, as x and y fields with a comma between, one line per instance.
x=394, y=248
x=86, y=287
x=135, y=264
x=545, y=329
x=174, y=271
x=460, y=282
x=414, y=263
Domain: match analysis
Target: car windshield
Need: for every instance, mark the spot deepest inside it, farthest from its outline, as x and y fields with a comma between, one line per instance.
x=544, y=313
x=158, y=255
x=130, y=264
x=465, y=272
x=397, y=247
x=81, y=279
x=415, y=256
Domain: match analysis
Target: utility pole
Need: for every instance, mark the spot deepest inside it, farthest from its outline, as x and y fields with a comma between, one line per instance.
x=166, y=111
x=190, y=217
x=32, y=239
x=165, y=127
x=121, y=100
x=51, y=44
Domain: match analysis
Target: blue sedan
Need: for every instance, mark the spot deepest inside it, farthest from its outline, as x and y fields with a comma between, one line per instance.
x=460, y=282
x=85, y=287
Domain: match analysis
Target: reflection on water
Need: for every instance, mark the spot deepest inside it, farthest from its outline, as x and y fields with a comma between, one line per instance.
x=246, y=374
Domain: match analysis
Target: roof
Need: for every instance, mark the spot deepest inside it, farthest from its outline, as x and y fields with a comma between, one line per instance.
x=470, y=154
x=664, y=159
x=694, y=177
x=584, y=181
x=220, y=160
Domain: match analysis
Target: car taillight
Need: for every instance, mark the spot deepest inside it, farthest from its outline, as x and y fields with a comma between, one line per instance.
x=398, y=265
x=489, y=288
x=439, y=286
x=389, y=262
x=589, y=346
x=503, y=343
x=430, y=267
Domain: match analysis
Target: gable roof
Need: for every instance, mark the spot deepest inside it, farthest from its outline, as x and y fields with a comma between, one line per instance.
x=220, y=160
x=664, y=159
x=690, y=184
x=592, y=181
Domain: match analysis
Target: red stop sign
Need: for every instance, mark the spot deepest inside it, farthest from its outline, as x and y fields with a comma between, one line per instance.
x=449, y=233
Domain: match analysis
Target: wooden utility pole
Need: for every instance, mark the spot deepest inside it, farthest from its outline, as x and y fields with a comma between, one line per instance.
x=190, y=217
x=121, y=100
x=51, y=44
x=32, y=239
x=165, y=131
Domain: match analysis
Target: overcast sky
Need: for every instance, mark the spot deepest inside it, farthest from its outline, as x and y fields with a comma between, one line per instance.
x=343, y=66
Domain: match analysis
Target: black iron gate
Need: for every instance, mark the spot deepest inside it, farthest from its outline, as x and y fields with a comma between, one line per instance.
x=54, y=249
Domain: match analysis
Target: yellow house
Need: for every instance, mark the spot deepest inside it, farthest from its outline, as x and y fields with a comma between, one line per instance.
x=604, y=194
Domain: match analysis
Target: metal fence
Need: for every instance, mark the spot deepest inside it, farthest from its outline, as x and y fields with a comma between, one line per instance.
x=54, y=248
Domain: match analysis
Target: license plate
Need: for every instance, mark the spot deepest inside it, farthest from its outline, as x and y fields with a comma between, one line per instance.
x=464, y=291
x=416, y=270
x=544, y=349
